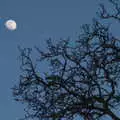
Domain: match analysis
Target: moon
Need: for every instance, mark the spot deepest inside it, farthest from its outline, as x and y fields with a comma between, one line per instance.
x=11, y=25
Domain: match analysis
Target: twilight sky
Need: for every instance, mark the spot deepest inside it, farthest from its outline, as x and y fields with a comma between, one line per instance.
x=37, y=20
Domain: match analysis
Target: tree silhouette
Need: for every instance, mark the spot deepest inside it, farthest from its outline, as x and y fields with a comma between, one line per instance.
x=82, y=80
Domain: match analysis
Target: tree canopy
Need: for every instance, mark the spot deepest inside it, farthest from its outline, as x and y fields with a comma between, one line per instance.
x=83, y=79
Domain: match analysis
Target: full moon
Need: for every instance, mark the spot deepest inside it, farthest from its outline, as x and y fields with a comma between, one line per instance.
x=11, y=25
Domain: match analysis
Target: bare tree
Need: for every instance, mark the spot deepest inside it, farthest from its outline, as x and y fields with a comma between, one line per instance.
x=83, y=79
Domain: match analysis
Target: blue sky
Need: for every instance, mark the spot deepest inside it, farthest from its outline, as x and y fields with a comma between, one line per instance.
x=37, y=20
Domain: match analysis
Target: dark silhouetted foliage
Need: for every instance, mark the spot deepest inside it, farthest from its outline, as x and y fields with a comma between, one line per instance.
x=83, y=79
